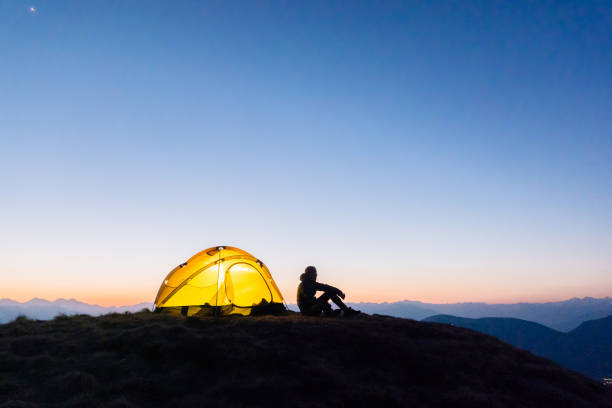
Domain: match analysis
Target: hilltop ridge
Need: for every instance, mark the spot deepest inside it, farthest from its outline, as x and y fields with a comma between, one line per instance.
x=149, y=359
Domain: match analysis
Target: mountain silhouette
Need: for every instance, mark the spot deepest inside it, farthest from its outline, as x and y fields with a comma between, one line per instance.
x=586, y=349
x=563, y=316
x=590, y=348
x=153, y=359
x=42, y=309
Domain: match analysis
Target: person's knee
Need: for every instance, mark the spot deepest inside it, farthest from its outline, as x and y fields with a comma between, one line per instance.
x=326, y=296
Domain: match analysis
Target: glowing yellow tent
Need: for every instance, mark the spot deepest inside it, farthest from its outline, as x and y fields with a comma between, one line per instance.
x=220, y=280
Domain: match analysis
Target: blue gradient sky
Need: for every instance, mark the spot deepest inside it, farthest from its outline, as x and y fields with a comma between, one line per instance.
x=440, y=152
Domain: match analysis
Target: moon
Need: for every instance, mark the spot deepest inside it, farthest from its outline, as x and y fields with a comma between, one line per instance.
x=32, y=10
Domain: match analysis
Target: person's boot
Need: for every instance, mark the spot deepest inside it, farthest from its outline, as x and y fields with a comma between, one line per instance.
x=351, y=312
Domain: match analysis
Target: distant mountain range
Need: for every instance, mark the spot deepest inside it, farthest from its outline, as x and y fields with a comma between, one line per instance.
x=586, y=349
x=563, y=316
x=44, y=309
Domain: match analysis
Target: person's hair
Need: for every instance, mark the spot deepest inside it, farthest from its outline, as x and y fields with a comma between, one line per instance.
x=310, y=270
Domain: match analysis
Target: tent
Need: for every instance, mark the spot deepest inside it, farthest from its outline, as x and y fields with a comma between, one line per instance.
x=220, y=280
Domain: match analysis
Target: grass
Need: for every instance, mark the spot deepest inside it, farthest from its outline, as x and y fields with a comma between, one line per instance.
x=147, y=359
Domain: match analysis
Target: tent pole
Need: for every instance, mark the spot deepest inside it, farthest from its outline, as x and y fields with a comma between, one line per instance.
x=217, y=292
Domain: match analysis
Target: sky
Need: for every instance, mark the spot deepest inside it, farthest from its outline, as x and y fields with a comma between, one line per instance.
x=433, y=151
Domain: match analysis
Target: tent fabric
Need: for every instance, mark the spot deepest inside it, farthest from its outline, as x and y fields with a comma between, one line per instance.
x=222, y=280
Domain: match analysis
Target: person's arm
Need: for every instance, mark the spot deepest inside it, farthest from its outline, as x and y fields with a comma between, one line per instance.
x=328, y=288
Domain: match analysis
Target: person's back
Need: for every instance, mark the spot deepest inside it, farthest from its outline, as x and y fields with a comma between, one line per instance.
x=306, y=292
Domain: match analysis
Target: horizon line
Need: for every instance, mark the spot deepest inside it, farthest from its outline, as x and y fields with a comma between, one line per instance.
x=293, y=303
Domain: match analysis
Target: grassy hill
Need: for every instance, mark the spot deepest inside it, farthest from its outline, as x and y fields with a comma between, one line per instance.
x=147, y=359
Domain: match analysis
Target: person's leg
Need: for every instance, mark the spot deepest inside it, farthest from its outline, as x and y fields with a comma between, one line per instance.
x=321, y=304
x=336, y=299
x=326, y=297
x=347, y=311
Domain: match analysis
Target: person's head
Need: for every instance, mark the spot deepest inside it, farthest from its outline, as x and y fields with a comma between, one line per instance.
x=311, y=272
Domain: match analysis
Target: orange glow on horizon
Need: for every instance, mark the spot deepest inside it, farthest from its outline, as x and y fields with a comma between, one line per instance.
x=354, y=295
x=106, y=300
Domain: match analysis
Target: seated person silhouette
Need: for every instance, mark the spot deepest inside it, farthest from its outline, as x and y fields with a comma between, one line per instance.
x=312, y=306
